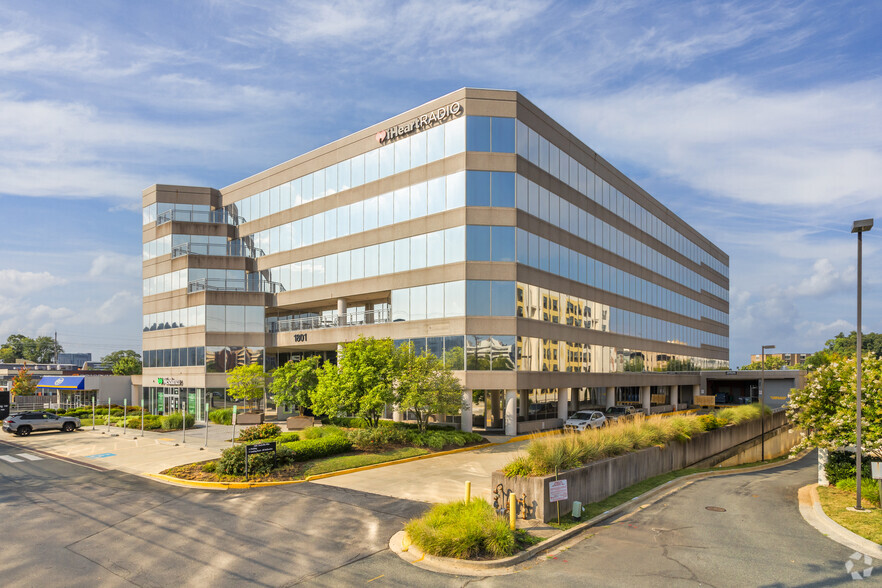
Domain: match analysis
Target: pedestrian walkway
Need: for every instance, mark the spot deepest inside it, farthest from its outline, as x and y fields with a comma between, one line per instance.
x=438, y=479
x=128, y=450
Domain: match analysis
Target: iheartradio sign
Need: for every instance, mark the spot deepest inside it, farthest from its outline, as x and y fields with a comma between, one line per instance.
x=420, y=123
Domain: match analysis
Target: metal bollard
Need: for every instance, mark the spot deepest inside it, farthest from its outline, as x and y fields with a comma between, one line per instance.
x=512, y=510
x=468, y=492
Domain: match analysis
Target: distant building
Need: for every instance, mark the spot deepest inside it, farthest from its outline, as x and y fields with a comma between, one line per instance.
x=77, y=359
x=787, y=358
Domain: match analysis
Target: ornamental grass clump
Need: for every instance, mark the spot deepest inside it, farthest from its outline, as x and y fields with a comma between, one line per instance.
x=462, y=530
x=548, y=455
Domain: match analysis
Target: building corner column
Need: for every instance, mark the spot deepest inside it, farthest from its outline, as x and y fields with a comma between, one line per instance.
x=465, y=411
x=646, y=398
x=675, y=396
x=511, y=412
x=563, y=403
x=609, y=396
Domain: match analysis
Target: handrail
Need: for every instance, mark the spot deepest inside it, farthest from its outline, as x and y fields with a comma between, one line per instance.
x=199, y=216
x=367, y=317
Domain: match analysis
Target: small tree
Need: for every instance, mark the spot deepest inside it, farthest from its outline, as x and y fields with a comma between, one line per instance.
x=825, y=408
x=124, y=362
x=127, y=366
x=361, y=383
x=247, y=382
x=294, y=383
x=772, y=363
x=426, y=386
x=22, y=384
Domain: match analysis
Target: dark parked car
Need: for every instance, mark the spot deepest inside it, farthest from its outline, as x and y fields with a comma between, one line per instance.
x=25, y=422
x=623, y=413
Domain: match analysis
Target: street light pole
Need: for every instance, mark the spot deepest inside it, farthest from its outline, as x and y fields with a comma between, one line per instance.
x=763, y=403
x=860, y=227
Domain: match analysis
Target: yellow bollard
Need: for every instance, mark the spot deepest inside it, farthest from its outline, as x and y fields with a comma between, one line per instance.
x=512, y=510
x=468, y=494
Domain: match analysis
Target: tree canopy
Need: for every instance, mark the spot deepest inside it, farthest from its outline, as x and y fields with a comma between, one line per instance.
x=773, y=362
x=38, y=350
x=293, y=383
x=361, y=383
x=425, y=385
x=847, y=344
x=23, y=384
x=124, y=362
x=247, y=382
x=825, y=408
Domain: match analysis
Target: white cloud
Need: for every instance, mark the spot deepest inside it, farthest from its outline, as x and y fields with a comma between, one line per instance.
x=824, y=278
x=813, y=147
x=121, y=305
x=115, y=264
x=17, y=283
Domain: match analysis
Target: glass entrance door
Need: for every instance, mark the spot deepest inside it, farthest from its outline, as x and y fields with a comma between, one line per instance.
x=172, y=400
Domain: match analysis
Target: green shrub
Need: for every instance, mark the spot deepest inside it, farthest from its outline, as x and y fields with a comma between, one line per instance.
x=175, y=420
x=315, y=448
x=209, y=467
x=221, y=416
x=232, y=461
x=374, y=439
x=869, y=488
x=264, y=431
x=462, y=530
x=842, y=465
x=319, y=432
x=151, y=422
x=288, y=437
x=711, y=421
x=520, y=466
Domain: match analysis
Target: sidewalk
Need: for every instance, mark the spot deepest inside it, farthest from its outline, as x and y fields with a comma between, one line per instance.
x=130, y=452
x=438, y=479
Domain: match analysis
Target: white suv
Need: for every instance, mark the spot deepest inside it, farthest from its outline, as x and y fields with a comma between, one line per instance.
x=25, y=422
x=585, y=419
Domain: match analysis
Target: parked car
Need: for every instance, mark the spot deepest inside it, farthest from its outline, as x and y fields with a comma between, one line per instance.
x=25, y=422
x=621, y=412
x=585, y=419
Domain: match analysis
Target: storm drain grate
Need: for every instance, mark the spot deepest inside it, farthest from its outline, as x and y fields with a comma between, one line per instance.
x=715, y=508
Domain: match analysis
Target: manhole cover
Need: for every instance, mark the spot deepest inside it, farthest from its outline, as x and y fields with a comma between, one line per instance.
x=715, y=508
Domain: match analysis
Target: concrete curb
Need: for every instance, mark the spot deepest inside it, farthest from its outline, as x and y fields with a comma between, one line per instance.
x=507, y=565
x=811, y=510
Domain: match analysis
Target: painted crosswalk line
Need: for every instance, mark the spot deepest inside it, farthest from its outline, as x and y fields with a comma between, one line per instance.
x=10, y=459
x=29, y=457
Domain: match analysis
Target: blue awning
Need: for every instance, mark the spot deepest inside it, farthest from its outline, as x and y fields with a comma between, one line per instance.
x=62, y=382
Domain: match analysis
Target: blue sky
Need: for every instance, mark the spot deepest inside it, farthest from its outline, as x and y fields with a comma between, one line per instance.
x=759, y=123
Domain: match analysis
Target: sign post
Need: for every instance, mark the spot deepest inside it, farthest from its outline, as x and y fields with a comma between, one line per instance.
x=125, y=413
x=233, y=440
x=93, y=413
x=557, y=491
x=876, y=473
x=259, y=448
x=184, y=419
x=206, y=424
x=108, y=416
x=142, y=412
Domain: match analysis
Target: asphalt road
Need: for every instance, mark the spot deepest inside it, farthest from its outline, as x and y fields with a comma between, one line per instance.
x=759, y=540
x=68, y=525
x=64, y=524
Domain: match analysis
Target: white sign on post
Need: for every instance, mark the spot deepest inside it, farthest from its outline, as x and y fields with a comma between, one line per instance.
x=876, y=470
x=557, y=490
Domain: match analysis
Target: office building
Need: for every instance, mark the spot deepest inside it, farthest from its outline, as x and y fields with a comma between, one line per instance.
x=473, y=226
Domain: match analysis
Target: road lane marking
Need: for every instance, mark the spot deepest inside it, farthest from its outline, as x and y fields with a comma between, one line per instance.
x=10, y=459
x=29, y=457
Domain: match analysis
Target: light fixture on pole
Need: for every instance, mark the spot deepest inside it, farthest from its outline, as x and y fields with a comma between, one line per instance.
x=860, y=227
x=763, y=403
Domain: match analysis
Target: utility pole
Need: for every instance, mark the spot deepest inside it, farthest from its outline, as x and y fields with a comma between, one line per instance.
x=56, y=346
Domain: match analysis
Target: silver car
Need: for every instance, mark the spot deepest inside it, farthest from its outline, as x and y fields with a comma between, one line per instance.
x=25, y=422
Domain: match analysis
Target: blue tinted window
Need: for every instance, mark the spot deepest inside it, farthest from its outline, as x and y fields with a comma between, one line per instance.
x=503, y=135
x=478, y=188
x=503, y=188
x=478, y=293
x=503, y=296
x=503, y=244
x=478, y=133
x=478, y=243
x=454, y=352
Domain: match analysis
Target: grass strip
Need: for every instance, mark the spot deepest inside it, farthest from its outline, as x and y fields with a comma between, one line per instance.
x=866, y=524
x=345, y=462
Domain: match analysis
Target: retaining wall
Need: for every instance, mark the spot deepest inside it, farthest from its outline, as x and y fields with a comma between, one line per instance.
x=601, y=479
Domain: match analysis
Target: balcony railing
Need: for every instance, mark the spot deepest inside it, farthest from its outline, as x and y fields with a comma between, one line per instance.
x=369, y=317
x=215, y=249
x=216, y=285
x=199, y=216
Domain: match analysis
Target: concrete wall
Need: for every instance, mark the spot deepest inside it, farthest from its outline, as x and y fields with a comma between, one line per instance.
x=601, y=479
